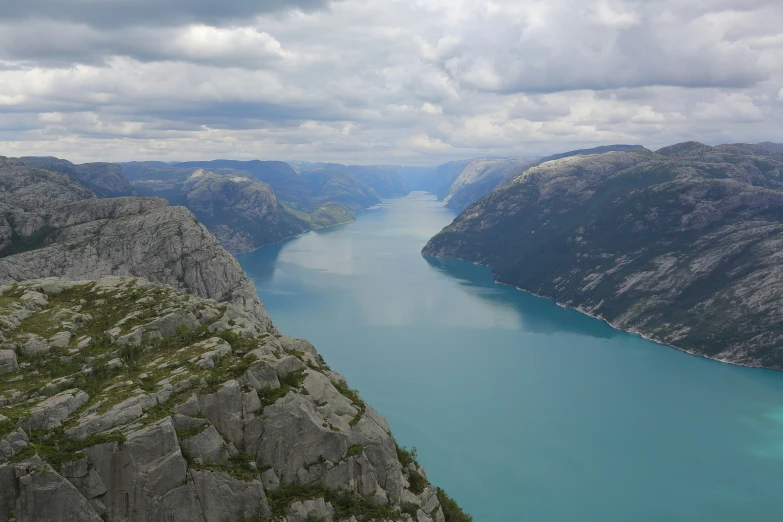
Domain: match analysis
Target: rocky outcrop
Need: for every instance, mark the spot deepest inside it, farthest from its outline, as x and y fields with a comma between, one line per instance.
x=104, y=179
x=480, y=176
x=265, y=429
x=680, y=245
x=120, y=236
x=243, y=214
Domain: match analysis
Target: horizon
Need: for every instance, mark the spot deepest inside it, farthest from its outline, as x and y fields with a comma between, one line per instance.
x=349, y=164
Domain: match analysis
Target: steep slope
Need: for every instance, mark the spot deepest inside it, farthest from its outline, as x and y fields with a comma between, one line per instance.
x=679, y=245
x=243, y=214
x=105, y=179
x=511, y=175
x=126, y=400
x=386, y=182
x=479, y=177
x=288, y=186
x=328, y=186
x=48, y=236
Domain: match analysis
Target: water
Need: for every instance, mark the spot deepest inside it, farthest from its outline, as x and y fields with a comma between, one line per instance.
x=521, y=410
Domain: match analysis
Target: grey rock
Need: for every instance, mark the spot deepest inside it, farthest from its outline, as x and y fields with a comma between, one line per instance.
x=224, y=409
x=60, y=340
x=288, y=365
x=262, y=375
x=223, y=497
x=184, y=422
x=51, y=412
x=269, y=479
x=207, y=447
x=8, y=361
x=45, y=495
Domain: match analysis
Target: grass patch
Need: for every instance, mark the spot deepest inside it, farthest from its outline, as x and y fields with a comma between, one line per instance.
x=354, y=449
x=353, y=396
x=57, y=449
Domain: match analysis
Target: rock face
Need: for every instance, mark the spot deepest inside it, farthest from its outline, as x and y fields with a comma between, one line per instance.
x=243, y=214
x=384, y=181
x=55, y=227
x=479, y=177
x=104, y=179
x=265, y=204
x=681, y=245
x=265, y=429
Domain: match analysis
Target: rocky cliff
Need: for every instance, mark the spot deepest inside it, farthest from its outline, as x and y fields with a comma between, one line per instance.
x=126, y=400
x=55, y=227
x=479, y=177
x=104, y=179
x=680, y=245
x=243, y=214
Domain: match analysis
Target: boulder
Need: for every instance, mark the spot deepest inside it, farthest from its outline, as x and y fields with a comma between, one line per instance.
x=51, y=412
x=8, y=361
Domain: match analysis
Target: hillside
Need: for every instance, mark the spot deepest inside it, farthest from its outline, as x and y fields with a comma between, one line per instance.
x=679, y=245
x=105, y=179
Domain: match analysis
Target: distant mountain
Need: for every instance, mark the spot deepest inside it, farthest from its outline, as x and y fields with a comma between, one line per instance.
x=105, y=179
x=386, y=182
x=681, y=245
x=329, y=186
x=480, y=176
x=279, y=175
x=509, y=177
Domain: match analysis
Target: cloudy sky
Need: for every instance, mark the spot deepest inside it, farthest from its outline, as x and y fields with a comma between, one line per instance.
x=383, y=81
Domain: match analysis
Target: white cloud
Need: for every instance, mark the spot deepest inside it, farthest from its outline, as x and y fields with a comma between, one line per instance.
x=412, y=81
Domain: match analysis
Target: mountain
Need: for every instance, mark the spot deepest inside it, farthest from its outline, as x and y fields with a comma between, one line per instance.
x=386, y=182
x=479, y=177
x=248, y=204
x=680, y=245
x=56, y=228
x=243, y=214
x=288, y=186
x=460, y=183
x=509, y=177
x=329, y=186
x=104, y=179
x=141, y=379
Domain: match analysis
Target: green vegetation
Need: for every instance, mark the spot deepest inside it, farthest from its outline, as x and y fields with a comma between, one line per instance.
x=451, y=511
x=354, y=449
x=353, y=396
x=411, y=509
x=417, y=481
x=56, y=449
x=406, y=456
x=345, y=503
x=34, y=241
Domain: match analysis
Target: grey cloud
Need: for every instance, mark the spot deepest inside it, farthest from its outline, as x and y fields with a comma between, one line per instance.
x=378, y=81
x=119, y=13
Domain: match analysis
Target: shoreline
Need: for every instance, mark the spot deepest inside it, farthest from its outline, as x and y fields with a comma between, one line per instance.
x=326, y=226
x=609, y=323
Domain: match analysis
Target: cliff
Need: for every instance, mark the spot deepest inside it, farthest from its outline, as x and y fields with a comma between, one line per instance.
x=127, y=400
x=679, y=245
x=104, y=179
x=142, y=380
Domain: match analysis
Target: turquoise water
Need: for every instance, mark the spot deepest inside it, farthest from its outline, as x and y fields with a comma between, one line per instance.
x=521, y=410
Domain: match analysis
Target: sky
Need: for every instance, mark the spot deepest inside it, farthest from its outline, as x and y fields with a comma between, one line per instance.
x=411, y=82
